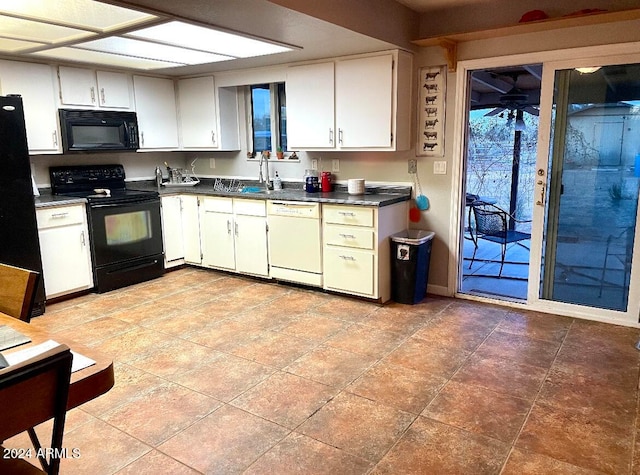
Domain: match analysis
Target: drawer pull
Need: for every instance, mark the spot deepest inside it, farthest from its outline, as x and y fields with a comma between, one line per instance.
x=59, y=215
x=347, y=236
x=347, y=258
x=346, y=213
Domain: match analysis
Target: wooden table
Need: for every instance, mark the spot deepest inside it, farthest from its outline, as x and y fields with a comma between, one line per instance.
x=86, y=384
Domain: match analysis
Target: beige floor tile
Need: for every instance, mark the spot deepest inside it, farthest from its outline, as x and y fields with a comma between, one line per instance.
x=285, y=399
x=502, y=376
x=576, y=439
x=432, y=447
x=100, y=448
x=302, y=455
x=157, y=415
x=396, y=386
x=522, y=462
x=428, y=357
x=154, y=463
x=479, y=410
x=365, y=340
x=224, y=376
x=358, y=426
x=331, y=366
x=519, y=349
x=227, y=441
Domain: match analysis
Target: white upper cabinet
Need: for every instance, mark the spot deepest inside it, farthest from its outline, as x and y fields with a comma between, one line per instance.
x=115, y=90
x=353, y=103
x=156, y=108
x=207, y=116
x=364, y=102
x=310, y=106
x=89, y=88
x=197, y=113
x=36, y=84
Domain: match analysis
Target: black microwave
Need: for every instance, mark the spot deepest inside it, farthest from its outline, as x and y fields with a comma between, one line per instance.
x=98, y=131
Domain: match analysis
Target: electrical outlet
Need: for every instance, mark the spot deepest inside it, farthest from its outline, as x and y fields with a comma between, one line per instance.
x=335, y=165
x=314, y=163
x=212, y=163
x=413, y=166
x=440, y=167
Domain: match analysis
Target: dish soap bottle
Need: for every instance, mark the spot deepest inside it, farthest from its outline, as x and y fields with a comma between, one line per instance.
x=158, y=176
x=277, y=183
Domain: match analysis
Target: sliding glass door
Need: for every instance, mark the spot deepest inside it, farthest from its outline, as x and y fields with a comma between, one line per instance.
x=585, y=219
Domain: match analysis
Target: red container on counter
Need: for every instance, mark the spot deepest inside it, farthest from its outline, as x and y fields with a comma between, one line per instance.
x=325, y=182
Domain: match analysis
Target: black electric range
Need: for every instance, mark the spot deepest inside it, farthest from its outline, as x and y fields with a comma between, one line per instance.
x=125, y=226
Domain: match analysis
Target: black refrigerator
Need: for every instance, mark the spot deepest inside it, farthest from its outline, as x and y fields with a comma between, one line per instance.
x=19, y=243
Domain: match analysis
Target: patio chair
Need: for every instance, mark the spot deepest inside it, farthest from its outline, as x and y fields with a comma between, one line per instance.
x=619, y=247
x=491, y=223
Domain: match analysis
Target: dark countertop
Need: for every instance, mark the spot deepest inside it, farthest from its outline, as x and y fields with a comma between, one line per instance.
x=378, y=196
x=292, y=191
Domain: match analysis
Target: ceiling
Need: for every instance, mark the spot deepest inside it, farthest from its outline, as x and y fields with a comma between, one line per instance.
x=332, y=28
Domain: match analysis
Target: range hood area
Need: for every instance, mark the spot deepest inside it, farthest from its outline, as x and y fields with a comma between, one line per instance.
x=98, y=33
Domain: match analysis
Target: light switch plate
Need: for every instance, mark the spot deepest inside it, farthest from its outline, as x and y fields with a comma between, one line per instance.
x=335, y=165
x=314, y=163
x=440, y=167
x=212, y=163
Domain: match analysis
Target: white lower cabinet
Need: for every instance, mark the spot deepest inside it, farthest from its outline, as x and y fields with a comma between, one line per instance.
x=356, y=248
x=172, y=236
x=64, y=245
x=233, y=233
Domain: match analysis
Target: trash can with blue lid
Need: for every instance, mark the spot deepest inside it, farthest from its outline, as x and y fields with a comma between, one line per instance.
x=410, y=256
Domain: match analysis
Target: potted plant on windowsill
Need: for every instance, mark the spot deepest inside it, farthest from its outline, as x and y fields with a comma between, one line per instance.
x=279, y=153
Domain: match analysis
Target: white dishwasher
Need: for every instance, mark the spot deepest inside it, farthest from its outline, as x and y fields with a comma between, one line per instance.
x=295, y=244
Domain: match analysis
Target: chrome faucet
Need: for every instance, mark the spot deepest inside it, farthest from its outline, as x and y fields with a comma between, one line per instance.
x=264, y=179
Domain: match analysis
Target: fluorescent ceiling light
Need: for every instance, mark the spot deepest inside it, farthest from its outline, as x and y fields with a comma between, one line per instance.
x=27, y=30
x=148, y=50
x=93, y=32
x=86, y=14
x=107, y=59
x=207, y=39
x=11, y=46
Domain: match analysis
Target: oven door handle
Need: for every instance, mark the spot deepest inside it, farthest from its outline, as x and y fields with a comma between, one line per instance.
x=120, y=205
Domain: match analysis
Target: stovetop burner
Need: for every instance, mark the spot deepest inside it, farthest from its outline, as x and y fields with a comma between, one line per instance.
x=96, y=183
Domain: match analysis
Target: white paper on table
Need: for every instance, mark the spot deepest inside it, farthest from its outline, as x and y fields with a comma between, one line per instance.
x=79, y=361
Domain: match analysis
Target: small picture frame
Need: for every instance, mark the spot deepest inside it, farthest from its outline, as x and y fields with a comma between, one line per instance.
x=431, y=111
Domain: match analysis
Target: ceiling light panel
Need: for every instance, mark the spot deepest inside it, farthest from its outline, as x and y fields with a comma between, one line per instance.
x=207, y=39
x=27, y=30
x=13, y=46
x=105, y=59
x=148, y=50
x=87, y=14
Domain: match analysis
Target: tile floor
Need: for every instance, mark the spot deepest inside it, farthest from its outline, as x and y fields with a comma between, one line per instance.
x=220, y=374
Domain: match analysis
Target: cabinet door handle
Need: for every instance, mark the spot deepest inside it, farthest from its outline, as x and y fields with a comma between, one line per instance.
x=340, y=136
x=82, y=239
x=93, y=95
x=330, y=136
x=228, y=226
x=142, y=138
x=55, y=138
x=236, y=228
x=213, y=137
x=102, y=95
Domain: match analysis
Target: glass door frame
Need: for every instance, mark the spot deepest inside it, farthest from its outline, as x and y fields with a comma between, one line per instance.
x=625, y=53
